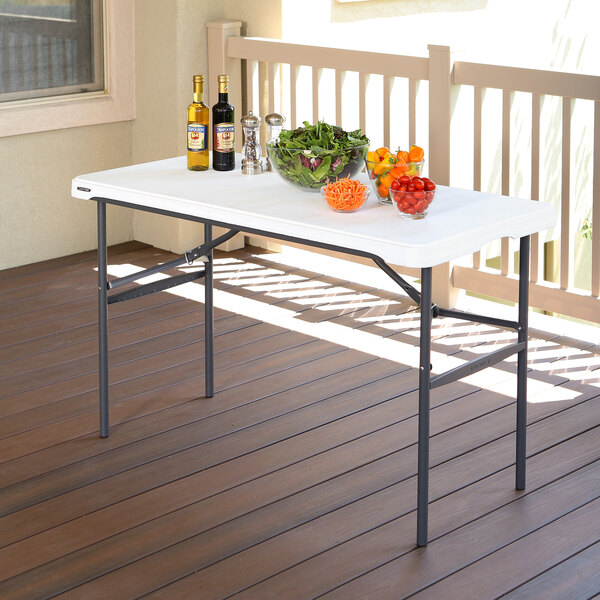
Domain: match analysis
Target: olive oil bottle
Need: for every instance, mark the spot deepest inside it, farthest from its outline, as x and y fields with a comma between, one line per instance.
x=223, y=125
x=197, y=129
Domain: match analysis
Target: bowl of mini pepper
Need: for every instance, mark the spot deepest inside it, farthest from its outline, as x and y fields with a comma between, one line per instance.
x=384, y=167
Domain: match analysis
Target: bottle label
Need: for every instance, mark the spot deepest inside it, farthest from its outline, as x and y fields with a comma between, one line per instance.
x=196, y=137
x=224, y=137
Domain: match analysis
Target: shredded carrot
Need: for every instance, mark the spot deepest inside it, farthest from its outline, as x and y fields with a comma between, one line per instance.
x=345, y=194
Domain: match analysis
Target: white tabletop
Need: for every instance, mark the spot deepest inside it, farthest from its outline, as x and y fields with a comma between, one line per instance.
x=459, y=221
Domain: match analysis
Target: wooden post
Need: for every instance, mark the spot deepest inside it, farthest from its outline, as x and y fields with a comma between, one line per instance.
x=218, y=32
x=440, y=82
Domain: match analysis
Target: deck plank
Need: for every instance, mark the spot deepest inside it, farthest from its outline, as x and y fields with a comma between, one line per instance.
x=288, y=550
x=576, y=577
x=297, y=479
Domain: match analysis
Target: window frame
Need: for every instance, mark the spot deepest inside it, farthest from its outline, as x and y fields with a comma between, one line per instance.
x=115, y=103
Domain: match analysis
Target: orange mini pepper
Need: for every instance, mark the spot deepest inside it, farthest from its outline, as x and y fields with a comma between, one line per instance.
x=387, y=179
x=415, y=154
x=399, y=169
x=383, y=191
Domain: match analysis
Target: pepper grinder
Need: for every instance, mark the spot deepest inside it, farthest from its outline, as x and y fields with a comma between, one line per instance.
x=251, y=151
x=274, y=123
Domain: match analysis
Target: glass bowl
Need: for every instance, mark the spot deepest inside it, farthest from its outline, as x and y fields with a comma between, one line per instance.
x=381, y=178
x=346, y=206
x=312, y=169
x=413, y=205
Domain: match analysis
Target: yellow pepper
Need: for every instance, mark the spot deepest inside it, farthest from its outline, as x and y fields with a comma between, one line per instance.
x=385, y=165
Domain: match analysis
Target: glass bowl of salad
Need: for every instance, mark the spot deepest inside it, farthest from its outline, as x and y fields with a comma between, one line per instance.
x=309, y=157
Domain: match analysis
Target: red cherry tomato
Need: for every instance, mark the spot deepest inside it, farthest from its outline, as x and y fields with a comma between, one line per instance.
x=395, y=185
x=429, y=196
x=419, y=195
x=429, y=185
x=405, y=179
x=410, y=187
x=418, y=183
x=421, y=206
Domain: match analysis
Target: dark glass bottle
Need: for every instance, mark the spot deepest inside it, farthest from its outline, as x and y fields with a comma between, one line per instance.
x=223, y=129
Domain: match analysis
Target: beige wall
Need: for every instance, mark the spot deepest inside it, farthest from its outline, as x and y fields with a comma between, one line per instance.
x=39, y=219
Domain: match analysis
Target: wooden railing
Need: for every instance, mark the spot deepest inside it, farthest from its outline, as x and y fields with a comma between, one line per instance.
x=561, y=297
x=268, y=73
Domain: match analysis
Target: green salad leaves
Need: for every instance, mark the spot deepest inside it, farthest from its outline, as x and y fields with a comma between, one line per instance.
x=311, y=155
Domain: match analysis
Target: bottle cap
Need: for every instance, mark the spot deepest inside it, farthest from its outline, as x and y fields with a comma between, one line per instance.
x=198, y=79
x=250, y=120
x=223, y=78
x=275, y=119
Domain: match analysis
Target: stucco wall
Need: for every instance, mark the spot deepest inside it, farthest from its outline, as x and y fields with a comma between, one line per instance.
x=39, y=219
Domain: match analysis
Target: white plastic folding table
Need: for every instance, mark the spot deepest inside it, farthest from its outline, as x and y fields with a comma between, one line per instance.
x=460, y=222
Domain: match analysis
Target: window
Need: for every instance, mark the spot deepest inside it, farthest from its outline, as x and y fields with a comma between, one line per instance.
x=50, y=48
x=65, y=63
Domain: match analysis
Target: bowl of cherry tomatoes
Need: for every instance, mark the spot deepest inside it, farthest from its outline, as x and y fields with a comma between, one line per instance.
x=412, y=196
x=384, y=167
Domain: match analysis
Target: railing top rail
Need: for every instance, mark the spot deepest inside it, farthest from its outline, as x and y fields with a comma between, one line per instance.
x=269, y=50
x=535, y=81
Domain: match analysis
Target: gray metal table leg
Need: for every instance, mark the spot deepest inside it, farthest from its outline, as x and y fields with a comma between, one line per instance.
x=424, y=389
x=521, y=446
x=102, y=321
x=208, y=318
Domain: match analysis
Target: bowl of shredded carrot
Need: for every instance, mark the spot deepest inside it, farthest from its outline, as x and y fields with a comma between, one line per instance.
x=345, y=195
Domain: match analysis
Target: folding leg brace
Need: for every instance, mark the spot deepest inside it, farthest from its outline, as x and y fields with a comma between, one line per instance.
x=428, y=382
x=202, y=252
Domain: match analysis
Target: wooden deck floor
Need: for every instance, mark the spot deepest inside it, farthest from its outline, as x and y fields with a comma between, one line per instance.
x=297, y=480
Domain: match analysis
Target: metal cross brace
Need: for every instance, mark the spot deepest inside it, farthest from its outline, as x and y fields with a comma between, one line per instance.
x=164, y=284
